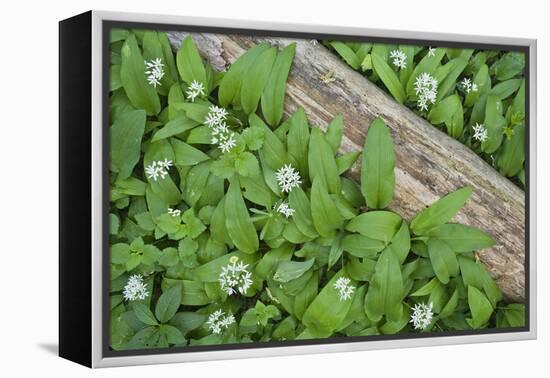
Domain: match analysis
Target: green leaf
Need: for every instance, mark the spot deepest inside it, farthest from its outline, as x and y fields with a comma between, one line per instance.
x=480, y=308
x=451, y=305
x=168, y=304
x=230, y=86
x=256, y=190
x=362, y=246
x=253, y=137
x=132, y=75
x=186, y=154
x=443, y=260
x=335, y=131
x=247, y=165
x=298, y=140
x=322, y=165
x=510, y=65
x=379, y=225
x=189, y=63
x=298, y=201
x=210, y=272
x=325, y=214
x=304, y=298
x=290, y=270
x=256, y=79
x=327, y=312
x=143, y=313
x=441, y=211
x=389, y=78
x=494, y=123
x=345, y=162
x=512, y=157
x=239, y=225
x=461, y=238
x=457, y=65
x=386, y=289
x=449, y=111
x=377, y=168
x=126, y=134
x=347, y=54
x=176, y=126
x=274, y=93
x=273, y=149
x=506, y=88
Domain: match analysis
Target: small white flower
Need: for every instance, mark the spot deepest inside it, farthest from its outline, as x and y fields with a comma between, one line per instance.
x=174, y=212
x=431, y=51
x=154, y=71
x=288, y=178
x=158, y=169
x=194, y=90
x=135, y=288
x=480, y=132
x=425, y=87
x=422, y=315
x=218, y=320
x=286, y=210
x=468, y=86
x=399, y=59
x=227, y=142
x=234, y=277
x=345, y=290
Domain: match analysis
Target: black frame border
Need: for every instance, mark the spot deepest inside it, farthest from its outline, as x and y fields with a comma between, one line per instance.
x=108, y=25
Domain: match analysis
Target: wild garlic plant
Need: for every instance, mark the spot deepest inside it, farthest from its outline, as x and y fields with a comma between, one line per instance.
x=230, y=223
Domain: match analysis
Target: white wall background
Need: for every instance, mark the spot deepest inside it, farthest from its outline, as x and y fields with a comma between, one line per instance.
x=28, y=251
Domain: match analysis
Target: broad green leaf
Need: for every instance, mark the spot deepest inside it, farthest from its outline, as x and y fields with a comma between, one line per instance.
x=336, y=250
x=238, y=223
x=345, y=162
x=256, y=79
x=428, y=64
x=362, y=246
x=299, y=201
x=377, y=168
x=441, y=211
x=389, y=78
x=132, y=75
x=256, y=190
x=449, y=111
x=386, y=289
x=444, y=261
x=512, y=157
x=273, y=95
x=271, y=259
x=273, y=149
x=510, y=65
x=401, y=243
x=192, y=292
x=506, y=88
x=290, y=270
x=174, y=127
x=457, y=65
x=322, y=164
x=247, y=165
x=480, y=308
x=325, y=214
x=143, y=313
x=230, y=86
x=450, y=306
x=189, y=63
x=327, y=312
x=298, y=140
x=461, y=238
x=168, y=303
x=494, y=123
x=186, y=154
x=334, y=133
x=306, y=296
x=379, y=225
x=126, y=134
x=347, y=54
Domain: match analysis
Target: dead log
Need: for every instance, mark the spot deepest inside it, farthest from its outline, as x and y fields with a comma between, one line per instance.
x=430, y=164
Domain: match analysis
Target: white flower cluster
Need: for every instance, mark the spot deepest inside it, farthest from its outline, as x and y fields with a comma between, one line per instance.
x=135, y=288
x=345, y=290
x=215, y=120
x=399, y=59
x=422, y=315
x=288, y=178
x=235, y=277
x=195, y=90
x=154, y=71
x=425, y=87
x=174, y=212
x=480, y=132
x=468, y=86
x=431, y=51
x=158, y=169
x=217, y=321
x=286, y=210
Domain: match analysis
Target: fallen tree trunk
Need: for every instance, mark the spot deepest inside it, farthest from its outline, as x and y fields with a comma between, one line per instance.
x=430, y=164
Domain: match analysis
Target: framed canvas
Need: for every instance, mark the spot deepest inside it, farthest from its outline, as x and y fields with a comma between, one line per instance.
x=235, y=189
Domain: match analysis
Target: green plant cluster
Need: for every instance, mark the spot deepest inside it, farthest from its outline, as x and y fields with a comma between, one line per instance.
x=210, y=245
x=475, y=87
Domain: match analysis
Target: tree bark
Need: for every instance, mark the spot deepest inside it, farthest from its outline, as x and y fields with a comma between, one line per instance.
x=429, y=163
